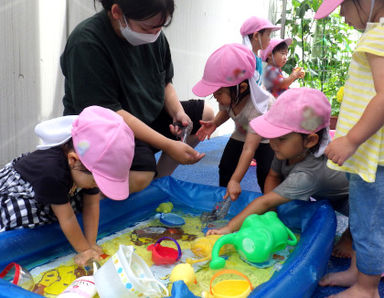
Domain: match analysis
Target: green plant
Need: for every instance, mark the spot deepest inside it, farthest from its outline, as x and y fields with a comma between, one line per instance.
x=323, y=48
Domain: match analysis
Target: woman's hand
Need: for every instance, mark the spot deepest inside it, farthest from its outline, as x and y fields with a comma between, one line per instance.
x=183, y=118
x=183, y=153
x=233, y=190
x=221, y=231
x=85, y=256
x=206, y=129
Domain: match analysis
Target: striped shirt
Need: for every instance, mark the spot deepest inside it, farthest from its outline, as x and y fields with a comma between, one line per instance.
x=359, y=91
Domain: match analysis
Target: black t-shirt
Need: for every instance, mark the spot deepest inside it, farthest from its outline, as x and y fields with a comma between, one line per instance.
x=49, y=174
x=101, y=68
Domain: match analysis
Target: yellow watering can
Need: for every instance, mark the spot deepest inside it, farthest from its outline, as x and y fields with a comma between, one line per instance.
x=232, y=288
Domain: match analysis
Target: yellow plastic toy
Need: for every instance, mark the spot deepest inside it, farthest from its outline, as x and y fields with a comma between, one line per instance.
x=202, y=248
x=183, y=272
x=165, y=207
x=232, y=288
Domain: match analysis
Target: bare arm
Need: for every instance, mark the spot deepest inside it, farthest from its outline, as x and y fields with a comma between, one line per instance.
x=272, y=181
x=91, y=212
x=251, y=144
x=340, y=149
x=72, y=231
x=259, y=205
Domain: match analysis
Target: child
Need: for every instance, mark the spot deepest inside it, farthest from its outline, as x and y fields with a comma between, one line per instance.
x=256, y=33
x=79, y=155
x=358, y=147
x=226, y=76
x=276, y=57
x=297, y=126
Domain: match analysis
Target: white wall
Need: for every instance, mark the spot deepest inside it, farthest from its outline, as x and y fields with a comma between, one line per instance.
x=33, y=34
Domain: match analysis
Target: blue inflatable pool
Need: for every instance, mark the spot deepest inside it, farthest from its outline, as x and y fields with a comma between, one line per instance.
x=298, y=277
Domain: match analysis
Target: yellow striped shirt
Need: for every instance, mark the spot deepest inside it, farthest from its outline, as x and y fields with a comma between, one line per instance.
x=358, y=92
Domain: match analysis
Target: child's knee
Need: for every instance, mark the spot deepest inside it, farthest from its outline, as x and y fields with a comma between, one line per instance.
x=139, y=180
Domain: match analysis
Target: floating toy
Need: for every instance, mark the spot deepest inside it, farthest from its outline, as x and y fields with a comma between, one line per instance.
x=202, y=248
x=164, y=207
x=258, y=238
x=171, y=220
x=148, y=235
x=183, y=272
x=162, y=255
x=233, y=288
x=17, y=275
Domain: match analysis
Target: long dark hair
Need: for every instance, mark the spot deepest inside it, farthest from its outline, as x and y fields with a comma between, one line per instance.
x=140, y=10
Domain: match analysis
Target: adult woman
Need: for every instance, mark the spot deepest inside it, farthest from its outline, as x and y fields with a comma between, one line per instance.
x=120, y=59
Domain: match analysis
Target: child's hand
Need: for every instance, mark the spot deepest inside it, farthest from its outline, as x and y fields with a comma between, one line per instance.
x=85, y=256
x=206, y=129
x=298, y=72
x=222, y=231
x=98, y=249
x=233, y=190
x=340, y=149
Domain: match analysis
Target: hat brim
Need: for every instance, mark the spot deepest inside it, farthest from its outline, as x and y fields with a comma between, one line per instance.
x=267, y=130
x=273, y=28
x=46, y=146
x=115, y=190
x=203, y=89
x=326, y=8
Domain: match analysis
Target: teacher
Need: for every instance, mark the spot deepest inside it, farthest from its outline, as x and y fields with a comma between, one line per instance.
x=120, y=59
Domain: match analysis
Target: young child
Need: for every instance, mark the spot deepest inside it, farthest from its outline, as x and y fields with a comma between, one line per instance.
x=226, y=75
x=256, y=33
x=358, y=147
x=276, y=56
x=297, y=126
x=79, y=155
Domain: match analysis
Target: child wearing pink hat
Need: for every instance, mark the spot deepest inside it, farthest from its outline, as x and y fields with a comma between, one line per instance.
x=80, y=158
x=256, y=33
x=276, y=56
x=226, y=76
x=358, y=147
x=297, y=127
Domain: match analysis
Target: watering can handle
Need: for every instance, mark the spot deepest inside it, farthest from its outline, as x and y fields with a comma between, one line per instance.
x=292, y=240
x=174, y=240
x=228, y=271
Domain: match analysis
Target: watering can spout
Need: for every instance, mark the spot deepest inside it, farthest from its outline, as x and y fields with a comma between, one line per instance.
x=218, y=262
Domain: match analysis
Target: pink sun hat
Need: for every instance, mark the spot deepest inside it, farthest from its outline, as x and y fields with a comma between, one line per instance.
x=105, y=146
x=273, y=44
x=326, y=8
x=228, y=66
x=301, y=110
x=255, y=24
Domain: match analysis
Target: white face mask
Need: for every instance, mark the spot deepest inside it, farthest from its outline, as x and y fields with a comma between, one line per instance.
x=136, y=38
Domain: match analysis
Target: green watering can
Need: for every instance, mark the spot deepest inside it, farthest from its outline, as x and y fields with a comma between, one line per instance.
x=258, y=238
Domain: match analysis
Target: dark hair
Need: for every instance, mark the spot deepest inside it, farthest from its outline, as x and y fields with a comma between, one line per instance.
x=68, y=146
x=140, y=10
x=320, y=133
x=280, y=47
x=236, y=97
x=261, y=32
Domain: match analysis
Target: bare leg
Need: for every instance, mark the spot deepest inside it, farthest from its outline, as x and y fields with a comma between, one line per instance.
x=139, y=180
x=344, y=278
x=365, y=287
x=343, y=247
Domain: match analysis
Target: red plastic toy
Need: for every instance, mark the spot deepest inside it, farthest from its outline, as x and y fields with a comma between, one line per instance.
x=162, y=255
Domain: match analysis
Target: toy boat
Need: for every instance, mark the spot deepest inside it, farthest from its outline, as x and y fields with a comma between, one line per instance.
x=298, y=277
